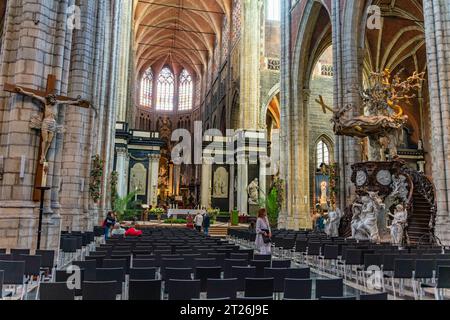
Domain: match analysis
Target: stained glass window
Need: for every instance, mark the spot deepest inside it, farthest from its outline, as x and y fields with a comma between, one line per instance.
x=323, y=153
x=186, y=91
x=165, y=93
x=147, y=88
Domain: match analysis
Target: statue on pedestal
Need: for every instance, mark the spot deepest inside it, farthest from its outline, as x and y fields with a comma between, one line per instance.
x=365, y=217
x=332, y=222
x=400, y=218
x=253, y=192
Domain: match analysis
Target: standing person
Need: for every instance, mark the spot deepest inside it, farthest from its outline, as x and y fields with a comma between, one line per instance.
x=108, y=223
x=206, y=223
x=263, y=241
x=198, y=221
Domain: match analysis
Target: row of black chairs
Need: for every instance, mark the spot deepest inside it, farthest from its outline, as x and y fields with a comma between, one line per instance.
x=187, y=289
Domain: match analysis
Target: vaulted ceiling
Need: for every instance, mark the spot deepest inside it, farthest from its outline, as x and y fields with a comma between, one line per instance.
x=177, y=32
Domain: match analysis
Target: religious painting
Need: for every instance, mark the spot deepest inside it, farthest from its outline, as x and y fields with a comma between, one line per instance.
x=322, y=189
x=220, y=190
x=138, y=179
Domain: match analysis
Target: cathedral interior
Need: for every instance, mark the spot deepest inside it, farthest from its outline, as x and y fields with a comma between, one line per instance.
x=311, y=132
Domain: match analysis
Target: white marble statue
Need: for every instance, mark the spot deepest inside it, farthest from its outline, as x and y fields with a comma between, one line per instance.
x=365, y=217
x=332, y=223
x=400, y=187
x=253, y=192
x=400, y=218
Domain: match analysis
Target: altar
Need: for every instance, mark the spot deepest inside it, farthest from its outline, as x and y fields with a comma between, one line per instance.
x=183, y=212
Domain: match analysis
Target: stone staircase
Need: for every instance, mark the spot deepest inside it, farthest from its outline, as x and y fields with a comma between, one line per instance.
x=422, y=212
x=218, y=231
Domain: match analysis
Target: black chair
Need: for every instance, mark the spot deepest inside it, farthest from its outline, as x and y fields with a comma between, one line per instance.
x=6, y=257
x=142, y=273
x=299, y=273
x=127, y=257
x=260, y=265
x=144, y=289
x=281, y=263
x=170, y=263
x=145, y=263
x=32, y=264
x=112, y=274
x=330, y=253
x=178, y=273
x=2, y=251
x=16, y=253
x=48, y=259
x=443, y=282
x=329, y=288
x=89, y=267
x=14, y=274
x=221, y=288
x=403, y=269
x=76, y=278
x=262, y=257
x=241, y=273
x=100, y=290
x=220, y=258
x=189, y=259
x=259, y=287
x=297, y=288
x=205, y=273
x=230, y=263
x=256, y=298
x=374, y=296
x=349, y=298
x=239, y=256
x=279, y=275
x=114, y=263
x=56, y=291
x=98, y=260
x=205, y=262
x=184, y=289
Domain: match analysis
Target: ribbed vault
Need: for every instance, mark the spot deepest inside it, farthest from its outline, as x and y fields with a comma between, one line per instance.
x=177, y=32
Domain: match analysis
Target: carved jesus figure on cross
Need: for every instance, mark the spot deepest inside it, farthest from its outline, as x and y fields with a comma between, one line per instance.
x=50, y=100
x=48, y=124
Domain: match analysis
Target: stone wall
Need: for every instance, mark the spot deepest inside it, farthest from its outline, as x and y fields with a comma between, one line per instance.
x=39, y=40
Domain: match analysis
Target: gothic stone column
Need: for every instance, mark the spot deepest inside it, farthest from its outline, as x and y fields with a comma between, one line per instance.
x=153, y=173
x=242, y=184
x=122, y=171
x=206, y=182
x=437, y=33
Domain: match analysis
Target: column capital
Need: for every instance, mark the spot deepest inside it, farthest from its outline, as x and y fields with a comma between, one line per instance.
x=121, y=151
x=208, y=160
x=153, y=157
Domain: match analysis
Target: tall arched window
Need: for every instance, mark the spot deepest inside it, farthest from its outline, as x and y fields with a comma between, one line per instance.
x=273, y=10
x=186, y=91
x=322, y=153
x=147, y=88
x=166, y=85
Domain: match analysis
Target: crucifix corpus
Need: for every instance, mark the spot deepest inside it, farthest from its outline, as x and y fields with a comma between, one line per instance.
x=46, y=124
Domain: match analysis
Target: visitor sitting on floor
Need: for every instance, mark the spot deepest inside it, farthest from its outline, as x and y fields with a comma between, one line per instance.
x=133, y=232
x=118, y=230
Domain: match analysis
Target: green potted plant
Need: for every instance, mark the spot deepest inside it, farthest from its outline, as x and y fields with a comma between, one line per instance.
x=125, y=207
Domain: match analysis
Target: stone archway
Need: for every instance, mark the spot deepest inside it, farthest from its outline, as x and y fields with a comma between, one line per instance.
x=314, y=35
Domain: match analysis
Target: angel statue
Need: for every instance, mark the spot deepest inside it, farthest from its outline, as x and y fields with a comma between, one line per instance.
x=48, y=125
x=332, y=222
x=397, y=227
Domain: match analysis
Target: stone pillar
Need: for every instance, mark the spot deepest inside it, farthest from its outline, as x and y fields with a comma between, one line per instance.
x=153, y=175
x=124, y=45
x=263, y=178
x=231, y=189
x=242, y=184
x=437, y=34
x=206, y=182
x=250, y=64
x=176, y=179
x=122, y=171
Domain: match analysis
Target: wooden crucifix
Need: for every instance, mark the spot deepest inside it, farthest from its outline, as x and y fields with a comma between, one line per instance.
x=47, y=124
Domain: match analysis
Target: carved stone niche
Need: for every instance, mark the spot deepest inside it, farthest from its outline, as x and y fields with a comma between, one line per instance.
x=375, y=176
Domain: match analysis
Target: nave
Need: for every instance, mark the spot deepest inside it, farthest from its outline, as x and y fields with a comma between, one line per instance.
x=182, y=264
